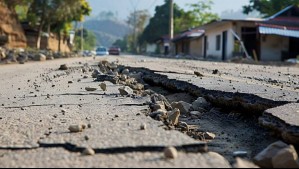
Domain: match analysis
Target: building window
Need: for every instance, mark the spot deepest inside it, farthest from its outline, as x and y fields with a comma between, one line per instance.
x=218, y=42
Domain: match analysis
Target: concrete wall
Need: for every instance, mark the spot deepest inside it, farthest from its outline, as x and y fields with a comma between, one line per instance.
x=217, y=29
x=53, y=45
x=212, y=33
x=272, y=47
x=196, y=47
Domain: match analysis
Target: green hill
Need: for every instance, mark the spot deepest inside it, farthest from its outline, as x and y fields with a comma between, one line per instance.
x=107, y=31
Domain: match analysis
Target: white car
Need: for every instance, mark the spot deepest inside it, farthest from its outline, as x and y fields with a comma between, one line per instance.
x=102, y=51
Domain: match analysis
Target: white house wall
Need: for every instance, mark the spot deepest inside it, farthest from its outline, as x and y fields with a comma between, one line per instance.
x=151, y=48
x=212, y=33
x=272, y=47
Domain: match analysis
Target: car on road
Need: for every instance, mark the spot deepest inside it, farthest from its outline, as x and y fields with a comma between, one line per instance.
x=102, y=51
x=114, y=50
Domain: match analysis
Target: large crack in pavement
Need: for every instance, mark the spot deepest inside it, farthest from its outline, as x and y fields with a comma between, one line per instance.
x=189, y=148
x=231, y=122
x=247, y=108
x=243, y=102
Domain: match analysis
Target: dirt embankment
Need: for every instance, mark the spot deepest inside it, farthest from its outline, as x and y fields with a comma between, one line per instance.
x=11, y=29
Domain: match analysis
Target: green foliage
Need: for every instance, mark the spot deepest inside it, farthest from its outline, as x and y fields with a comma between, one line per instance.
x=200, y=13
x=159, y=24
x=22, y=11
x=13, y=3
x=56, y=14
x=137, y=21
x=89, y=42
x=122, y=43
x=268, y=7
x=197, y=15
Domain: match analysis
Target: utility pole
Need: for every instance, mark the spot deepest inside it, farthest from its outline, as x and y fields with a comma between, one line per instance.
x=135, y=36
x=170, y=26
x=171, y=20
x=82, y=40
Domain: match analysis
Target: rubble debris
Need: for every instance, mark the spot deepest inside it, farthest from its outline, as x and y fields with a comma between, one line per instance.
x=124, y=91
x=241, y=163
x=76, y=128
x=109, y=78
x=184, y=126
x=40, y=57
x=170, y=153
x=88, y=152
x=174, y=117
x=126, y=72
x=103, y=86
x=284, y=121
x=198, y=74
x=216, y=71
x=184, y=107
x=201, y=104
x=95, y=73
x=90, y=89
x=143, y=126
x=264, y=158
x=286, y=158
x=209, y=136
x=63, y=67
x=195, y=114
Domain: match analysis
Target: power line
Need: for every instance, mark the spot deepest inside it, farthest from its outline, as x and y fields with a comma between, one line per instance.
x=150, y=7
x=134, y=5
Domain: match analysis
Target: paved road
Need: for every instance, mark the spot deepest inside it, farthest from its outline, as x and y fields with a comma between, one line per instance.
x=37, y=104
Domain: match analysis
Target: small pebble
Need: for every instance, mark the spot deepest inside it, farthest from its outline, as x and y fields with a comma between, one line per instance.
x=143, y=126
x=90, y=89
x=88, y=152
x=170, y=153
x=103, y=86
x=86, y=138
x=63, y=67
x=76, y=128
x=84, y=126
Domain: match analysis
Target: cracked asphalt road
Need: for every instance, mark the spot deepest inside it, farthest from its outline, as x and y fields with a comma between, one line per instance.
x=33, y=96
x=38, y=104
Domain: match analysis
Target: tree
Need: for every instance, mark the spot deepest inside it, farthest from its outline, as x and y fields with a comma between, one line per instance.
x=45, y=13
x=201, y=13
x=13, y=3
x=89, y=40
x=198, y=15
x=122, y=43
x=159, y=24
x=268, y=7
x=137, y=20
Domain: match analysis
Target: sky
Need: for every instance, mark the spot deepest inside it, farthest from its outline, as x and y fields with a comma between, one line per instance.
x=124, y=7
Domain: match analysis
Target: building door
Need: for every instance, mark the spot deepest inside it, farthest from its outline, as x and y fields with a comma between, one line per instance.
x=293, y=49
x=224, y=45
x=251, y=41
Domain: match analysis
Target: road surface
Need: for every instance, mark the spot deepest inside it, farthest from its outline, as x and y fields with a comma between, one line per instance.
x=38, y=103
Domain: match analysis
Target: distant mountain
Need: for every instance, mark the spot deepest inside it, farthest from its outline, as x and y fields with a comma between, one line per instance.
x=107, y=31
